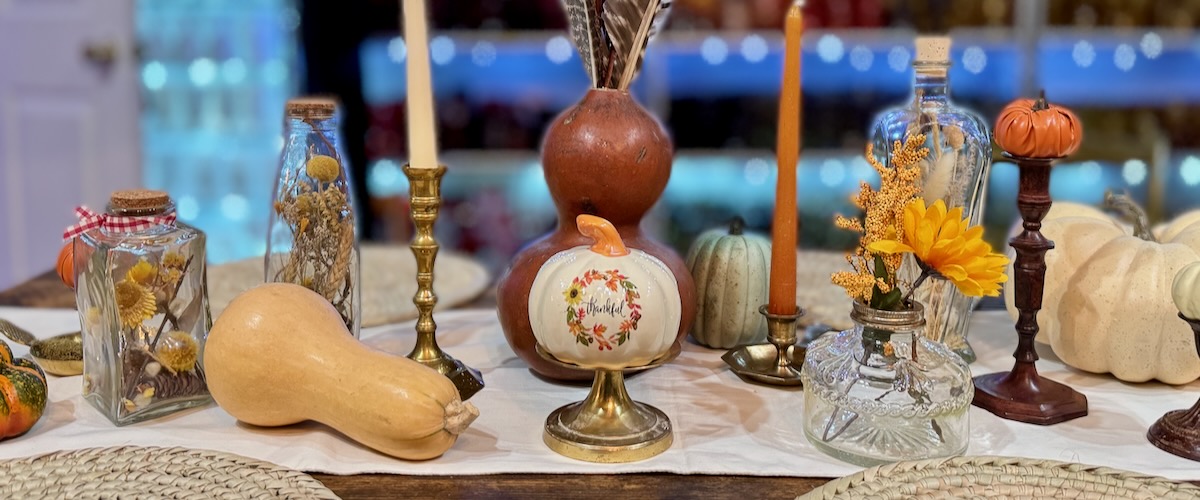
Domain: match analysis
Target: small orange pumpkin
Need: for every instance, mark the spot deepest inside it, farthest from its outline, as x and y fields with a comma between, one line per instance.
x=22, y=393
x=1037, y=129
x=66, y=264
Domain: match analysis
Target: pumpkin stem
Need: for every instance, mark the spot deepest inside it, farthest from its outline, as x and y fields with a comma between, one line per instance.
x=737, y=226
x=607, y=239
x=1129, y=210
x=1040, y=104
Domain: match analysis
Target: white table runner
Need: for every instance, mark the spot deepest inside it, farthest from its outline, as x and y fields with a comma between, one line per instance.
x=722, y=425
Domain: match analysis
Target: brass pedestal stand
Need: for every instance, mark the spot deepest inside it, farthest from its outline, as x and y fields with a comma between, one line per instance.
x=608, y=426
x=425, y=192
x=775, y=363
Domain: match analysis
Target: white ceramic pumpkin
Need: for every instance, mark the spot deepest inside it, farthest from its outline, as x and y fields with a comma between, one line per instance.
x=604, y=306
x=731, y=270
x=1107, y=305
x=1186, y=291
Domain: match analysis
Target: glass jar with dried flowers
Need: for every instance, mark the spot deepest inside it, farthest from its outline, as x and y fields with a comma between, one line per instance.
x=143, y=306
x=955, y=171
x=312, y=238
x=883, y=391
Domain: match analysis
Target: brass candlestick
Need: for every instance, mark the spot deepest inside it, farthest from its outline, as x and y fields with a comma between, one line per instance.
x=1178, y=431
x=777, y=362
x=425, y=193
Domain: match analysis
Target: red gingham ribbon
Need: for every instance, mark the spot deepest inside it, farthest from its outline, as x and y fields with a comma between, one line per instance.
x=89, y=220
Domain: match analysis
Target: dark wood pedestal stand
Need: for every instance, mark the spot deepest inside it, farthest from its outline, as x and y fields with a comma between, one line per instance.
x=1178, y=431
x=1022, y=394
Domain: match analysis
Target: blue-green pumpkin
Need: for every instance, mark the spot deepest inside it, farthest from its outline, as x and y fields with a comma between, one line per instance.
x=731, y=271
x=22, y=393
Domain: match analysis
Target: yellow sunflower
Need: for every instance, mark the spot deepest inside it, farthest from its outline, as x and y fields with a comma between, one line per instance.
x=946, y=246
x=574, y=294
x=135, y=303
x=142, y=272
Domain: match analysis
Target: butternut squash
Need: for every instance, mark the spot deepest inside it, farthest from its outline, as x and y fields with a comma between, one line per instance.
x=280, y=354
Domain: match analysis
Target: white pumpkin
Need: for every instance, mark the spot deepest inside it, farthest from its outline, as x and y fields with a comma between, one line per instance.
x=1107, y=305
x=604, y=306
x=730, y=269
x=1186, y=291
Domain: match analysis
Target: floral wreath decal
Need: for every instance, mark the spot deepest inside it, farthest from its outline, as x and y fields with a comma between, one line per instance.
x=615, y=281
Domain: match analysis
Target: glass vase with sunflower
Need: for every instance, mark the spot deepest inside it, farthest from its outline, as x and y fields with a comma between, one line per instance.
x=143, y=308
x=882, y=391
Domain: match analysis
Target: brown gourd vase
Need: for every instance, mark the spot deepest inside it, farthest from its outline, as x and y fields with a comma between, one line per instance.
x=606, y=156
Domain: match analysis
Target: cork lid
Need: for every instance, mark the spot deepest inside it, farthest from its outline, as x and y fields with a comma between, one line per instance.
x=933, y=49
x=319, y=108
x=139, y=200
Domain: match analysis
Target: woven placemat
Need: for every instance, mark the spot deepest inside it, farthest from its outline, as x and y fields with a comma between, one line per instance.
x=1000, y=477
x=389, y=281
x=151, y=472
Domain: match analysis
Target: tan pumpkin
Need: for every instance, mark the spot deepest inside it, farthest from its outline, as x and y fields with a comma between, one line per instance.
x=280, y=354
x=1037, y=129
x=1107, y=305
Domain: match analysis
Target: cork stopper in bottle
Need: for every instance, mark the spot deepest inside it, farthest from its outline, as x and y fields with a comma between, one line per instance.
x=318, y=108
x=139, y=200
x=933, y=49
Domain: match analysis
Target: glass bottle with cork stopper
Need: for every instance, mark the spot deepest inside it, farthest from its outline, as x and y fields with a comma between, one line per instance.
x=955, y=171
x=143, y=307
x=312, y=240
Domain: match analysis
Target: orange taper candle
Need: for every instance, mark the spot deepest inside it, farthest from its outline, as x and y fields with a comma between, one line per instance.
x=787, y=152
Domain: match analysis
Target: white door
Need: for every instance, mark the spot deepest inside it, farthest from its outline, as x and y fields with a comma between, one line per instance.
x=68, y=121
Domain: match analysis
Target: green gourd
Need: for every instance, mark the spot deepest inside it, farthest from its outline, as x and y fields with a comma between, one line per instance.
x=731, y=271
x=22, y=393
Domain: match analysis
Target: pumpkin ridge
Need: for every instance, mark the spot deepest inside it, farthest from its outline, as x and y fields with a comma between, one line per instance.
x=723, y=265
x=1119, y=354
x=738, y=294
x=1070, y=341
x=704, y=257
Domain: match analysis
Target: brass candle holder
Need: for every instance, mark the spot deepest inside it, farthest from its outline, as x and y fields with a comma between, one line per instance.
x=777, y=362
x=425, y=193
x=608, y=426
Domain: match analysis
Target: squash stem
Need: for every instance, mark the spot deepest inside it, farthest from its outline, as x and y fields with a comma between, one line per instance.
x=1129, y=210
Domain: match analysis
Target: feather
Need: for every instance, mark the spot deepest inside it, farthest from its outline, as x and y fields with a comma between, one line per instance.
x=630, y=24
x=583, y=16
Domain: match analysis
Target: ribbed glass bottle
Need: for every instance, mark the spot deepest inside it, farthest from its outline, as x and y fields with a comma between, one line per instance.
x=955, y=171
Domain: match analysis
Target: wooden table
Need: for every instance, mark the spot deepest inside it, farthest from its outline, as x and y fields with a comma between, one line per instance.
x=47, y=291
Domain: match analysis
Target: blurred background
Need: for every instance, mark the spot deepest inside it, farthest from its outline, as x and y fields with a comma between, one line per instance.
x=188, y=96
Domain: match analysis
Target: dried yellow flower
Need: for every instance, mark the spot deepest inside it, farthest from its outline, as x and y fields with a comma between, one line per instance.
x=142, y=272
x=171, y=276
x=174, y=260
x=323, y=168
x=135, y=303
x=178, y=351
x=883, y=210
